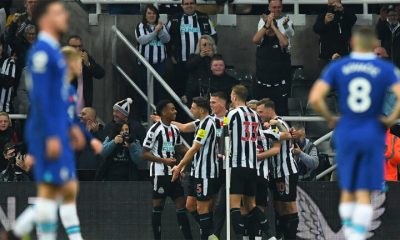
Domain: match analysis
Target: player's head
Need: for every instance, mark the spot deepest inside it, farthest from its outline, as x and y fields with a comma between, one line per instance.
x=166, y=110
x=266, y=109
x=74, y=61
x=218, y=102
x=51, y=15
x=200, y=107
x=239, y=95
x=364, y=40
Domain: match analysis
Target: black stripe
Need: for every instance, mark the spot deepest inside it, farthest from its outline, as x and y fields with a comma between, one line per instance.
x=187, y=39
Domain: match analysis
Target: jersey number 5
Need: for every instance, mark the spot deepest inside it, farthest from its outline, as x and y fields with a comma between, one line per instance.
x=359, y=99
x=250, y=130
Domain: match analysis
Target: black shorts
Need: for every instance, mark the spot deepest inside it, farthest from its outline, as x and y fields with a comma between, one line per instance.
x=262, y=192
x=284, y=189
x=203, y=189
x=163, y=188
x=244, y=181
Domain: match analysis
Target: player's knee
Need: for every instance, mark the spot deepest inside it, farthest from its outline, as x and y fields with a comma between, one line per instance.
x=46, y=210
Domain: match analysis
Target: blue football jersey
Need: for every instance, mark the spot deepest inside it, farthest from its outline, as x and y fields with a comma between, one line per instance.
x=362, y=81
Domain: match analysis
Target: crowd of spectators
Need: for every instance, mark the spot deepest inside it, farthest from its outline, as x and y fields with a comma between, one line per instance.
x=189, y=41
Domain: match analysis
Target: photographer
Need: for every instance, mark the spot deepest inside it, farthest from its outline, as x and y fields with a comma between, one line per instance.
x=305, y=153
x=121, y=152
x=17, y=170
x=334, y=30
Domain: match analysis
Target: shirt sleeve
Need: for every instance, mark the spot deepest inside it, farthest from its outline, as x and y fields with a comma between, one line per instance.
x=213, y=31
x=150, y=139
x=204, y=132
x=328, y=75
x=178, y=137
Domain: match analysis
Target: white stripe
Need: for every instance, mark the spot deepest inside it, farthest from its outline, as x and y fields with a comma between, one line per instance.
x=10, y=92
x=287, y=190
x=3, y=96
x=155, y=183
x=205, y=186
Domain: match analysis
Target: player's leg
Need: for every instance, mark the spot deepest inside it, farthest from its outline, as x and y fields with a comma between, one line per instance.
x=46, y=211
x=288, y=209
x=158, y=201
x=220, y=210
x=246, y=223
x=235, y=198
x=191, y=205
x=362, y=215
x=205, y=192
x=68, y=212
x=175, y=191
x=261, y=203
x=346, y=209
x=273, y=186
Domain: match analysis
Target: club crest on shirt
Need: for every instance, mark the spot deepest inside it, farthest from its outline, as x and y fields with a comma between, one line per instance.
x=39, y=62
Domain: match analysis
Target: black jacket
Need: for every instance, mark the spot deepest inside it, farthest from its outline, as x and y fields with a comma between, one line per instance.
x=175, y=45
x=88, y=73
x=390, y=40
x=334, y=37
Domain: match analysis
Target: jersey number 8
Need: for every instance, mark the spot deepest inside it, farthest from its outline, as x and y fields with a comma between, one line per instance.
x=359, y=99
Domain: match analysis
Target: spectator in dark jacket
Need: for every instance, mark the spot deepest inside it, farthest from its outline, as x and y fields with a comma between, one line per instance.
x=217, y=81
x=334, y=29
x=389, y=33
x=199, y=66
x=122, y=155
x=90, y=70
x=23, y=44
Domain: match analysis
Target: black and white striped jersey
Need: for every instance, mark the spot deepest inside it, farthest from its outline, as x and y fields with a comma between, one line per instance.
x=190, y=34
x=162, y=140
x=205, y=163
x=152, y=45
x=265, y=142
x=285, y=164
x=9, y=81
x=244, y=125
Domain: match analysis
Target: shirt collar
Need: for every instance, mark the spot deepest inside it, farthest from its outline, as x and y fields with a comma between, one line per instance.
x=363, y=56
x=44, y=36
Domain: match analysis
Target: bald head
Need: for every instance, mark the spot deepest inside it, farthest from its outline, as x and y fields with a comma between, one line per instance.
x=88, y=114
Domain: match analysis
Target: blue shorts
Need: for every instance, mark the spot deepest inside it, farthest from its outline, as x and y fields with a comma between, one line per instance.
x=360, y=161
x=57, y=171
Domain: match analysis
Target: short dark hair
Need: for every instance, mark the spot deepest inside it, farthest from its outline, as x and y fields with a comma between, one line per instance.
x=202, y=102
x=298, y=126
x=268, y=103
x=74, y=37
x=220, y=95
x=241, y=92
x=195, y=1
x=152, y=8
x=217, y=57
x=41, y=9
x=161, y=105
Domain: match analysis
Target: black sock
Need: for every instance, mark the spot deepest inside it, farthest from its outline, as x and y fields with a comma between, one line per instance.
x=259, y=216
x=237, y=222
x=156, y=222
x=291, y=221
x=251, y=226
x=195, y=215
x=184, y=224
x=278, y=226
x=205, y=225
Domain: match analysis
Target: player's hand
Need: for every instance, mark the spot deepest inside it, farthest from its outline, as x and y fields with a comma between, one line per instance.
x=96, y=146
x=387, y=121
x=118, y=139
x=53, y=148
x=78, y=140
x=176, y=172
x=170, y=161
x=16, y=17
x=29, y=161
x=267, y=125
x=329, y=17
x=155, y=118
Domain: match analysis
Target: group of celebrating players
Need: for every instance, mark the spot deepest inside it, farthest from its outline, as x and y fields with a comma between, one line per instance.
x=254, y=147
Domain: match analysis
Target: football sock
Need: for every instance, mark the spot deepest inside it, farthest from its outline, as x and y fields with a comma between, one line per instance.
x=291, y=221
x=361, y=220
x=195, y=215
x=46, y=218
x=205, y=225
x=237, y=223
x=346, y=210
x=70, y=221
x=156, y=222
x=25, y=222
x=183, y=222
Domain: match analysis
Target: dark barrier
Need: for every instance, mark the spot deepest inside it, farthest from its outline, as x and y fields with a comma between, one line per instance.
x=121, y=211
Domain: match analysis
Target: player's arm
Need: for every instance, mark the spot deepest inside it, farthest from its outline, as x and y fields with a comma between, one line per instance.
x=185, y=127
x=148, y=156
x=270, y=152
x=185, y=160
x=317, y=101
x=390, y=120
